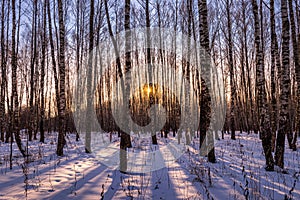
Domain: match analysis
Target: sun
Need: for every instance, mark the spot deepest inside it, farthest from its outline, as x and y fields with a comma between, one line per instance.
x=148, y=90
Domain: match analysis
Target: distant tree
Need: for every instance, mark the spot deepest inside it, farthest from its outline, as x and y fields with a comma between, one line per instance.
x=147, y=12
x=231, y=70
x=33, y=78
x=125, y=137
x=52, y=51
x=3, y=73
x=245, y=102
x=43, y=62
x=15, y=100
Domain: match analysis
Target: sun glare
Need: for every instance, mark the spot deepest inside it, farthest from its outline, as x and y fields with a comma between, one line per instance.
x=147, y=90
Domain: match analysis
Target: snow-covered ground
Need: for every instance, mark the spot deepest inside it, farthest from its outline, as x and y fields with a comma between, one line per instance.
x=238, y=174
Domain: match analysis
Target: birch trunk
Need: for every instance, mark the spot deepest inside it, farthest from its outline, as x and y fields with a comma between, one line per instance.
x=3, y=74
x=15, y=101
x=61, y=65
x=284, y=118
x=264, y=118
x=125, y=137
x=205, y=105
x=292, y=139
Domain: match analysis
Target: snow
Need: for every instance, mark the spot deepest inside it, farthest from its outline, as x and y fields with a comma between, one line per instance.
x=238, y=174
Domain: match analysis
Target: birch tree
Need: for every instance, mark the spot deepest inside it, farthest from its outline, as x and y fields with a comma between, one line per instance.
x=43, y=62
x=231, y=70
x=284, y=117
x=61, y=65
x=125, y=137
x=205, y=105
x=275, y=64
x=293, y=138
x=14, y=92
x=34, y=58
x=89, y=80
x=264, y=118
x=3, y=73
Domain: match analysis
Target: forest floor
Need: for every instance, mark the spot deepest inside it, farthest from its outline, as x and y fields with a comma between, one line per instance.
x=238, y=174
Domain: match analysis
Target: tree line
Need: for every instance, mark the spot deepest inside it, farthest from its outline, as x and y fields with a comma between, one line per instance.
x=252, y=43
